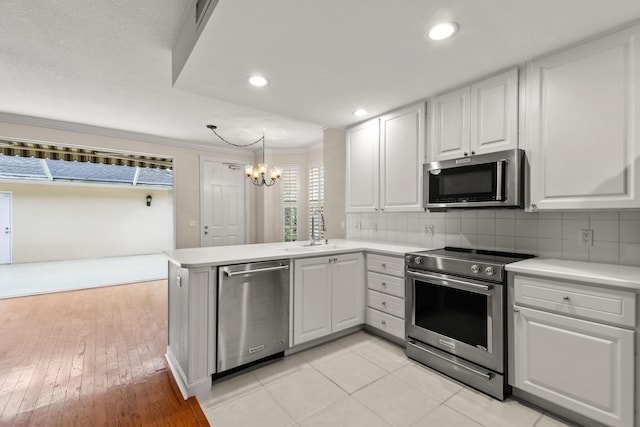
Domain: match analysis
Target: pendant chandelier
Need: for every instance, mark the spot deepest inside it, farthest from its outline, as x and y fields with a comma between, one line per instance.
x=257, y=174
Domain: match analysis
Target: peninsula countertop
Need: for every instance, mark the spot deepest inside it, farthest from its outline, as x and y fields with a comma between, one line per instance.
x=223, y=255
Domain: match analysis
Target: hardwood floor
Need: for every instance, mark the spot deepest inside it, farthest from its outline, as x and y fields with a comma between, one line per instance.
x=90, y=357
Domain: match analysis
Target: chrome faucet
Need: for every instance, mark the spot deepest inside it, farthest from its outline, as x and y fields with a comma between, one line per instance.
x=313, y=228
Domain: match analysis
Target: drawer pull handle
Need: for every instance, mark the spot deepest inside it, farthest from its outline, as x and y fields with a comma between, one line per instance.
x=384, y=323
x=384, y=303
x=384, y=265
x=566, y=298
x=384, y=284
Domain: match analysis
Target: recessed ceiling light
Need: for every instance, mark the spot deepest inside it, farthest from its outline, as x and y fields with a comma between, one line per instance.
x=360, y=112
x=443, y=31
x=258, y=81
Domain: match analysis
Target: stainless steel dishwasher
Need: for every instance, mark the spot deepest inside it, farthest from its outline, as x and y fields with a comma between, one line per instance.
x=253, y=312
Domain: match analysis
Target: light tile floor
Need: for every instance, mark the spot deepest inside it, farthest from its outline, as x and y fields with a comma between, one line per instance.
x=358, y=380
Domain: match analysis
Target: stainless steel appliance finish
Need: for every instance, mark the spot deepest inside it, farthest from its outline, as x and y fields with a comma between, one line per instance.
x=483, y=180
x=455, y=314
x=253, y=312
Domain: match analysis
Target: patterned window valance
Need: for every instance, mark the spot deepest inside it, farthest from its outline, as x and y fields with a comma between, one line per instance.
x=58, y=152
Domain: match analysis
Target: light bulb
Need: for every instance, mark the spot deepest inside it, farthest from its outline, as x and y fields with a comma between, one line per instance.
x=443, y=31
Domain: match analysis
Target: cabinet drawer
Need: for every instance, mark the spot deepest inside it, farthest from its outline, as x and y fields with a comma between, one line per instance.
x=386, y=264
x=386, y=284
x=385, y=322
x=386, y=303
x=600, y=304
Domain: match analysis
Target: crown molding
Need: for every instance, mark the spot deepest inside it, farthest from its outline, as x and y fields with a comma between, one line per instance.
x=113, y=133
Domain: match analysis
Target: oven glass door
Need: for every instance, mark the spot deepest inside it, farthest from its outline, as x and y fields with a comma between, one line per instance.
x=472, y=183
x=455, y=313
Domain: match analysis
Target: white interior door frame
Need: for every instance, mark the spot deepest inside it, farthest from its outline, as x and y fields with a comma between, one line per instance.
x=6, y=227
x=203, y=160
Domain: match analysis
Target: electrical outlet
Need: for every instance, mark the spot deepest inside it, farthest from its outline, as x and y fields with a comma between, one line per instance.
x=428, y=230
x=586, y=237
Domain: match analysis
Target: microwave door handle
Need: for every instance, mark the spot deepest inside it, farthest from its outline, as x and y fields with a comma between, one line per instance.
x=499, y=172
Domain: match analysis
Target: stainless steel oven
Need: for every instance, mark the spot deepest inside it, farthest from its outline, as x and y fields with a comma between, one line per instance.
x=455, y=314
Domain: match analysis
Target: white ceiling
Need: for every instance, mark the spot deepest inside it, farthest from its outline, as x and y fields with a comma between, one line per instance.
x=108, y=64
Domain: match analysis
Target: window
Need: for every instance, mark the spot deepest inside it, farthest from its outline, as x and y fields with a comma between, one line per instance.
x=290, y=189
x=316, y=201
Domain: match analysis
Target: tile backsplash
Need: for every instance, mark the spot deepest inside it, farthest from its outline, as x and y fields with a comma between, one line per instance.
x=615, y=235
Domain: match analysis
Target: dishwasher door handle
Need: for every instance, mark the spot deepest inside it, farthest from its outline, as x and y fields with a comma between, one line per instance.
x=228, y=273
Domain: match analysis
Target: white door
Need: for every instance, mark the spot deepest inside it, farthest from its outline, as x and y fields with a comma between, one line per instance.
x=362, y=178
x=311, y=299
x=347, y=308
x=5, y=228
x=224, y=190
x=494, y=113
x=401, y=158
x=450, y=125
x=584, y=366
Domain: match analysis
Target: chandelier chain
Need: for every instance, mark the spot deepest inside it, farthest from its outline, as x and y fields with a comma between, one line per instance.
x=213, y=129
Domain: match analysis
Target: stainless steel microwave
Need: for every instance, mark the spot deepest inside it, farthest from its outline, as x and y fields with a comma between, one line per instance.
x=483, y=180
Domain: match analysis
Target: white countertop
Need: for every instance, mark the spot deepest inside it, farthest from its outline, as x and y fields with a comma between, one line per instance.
x=621, y=276
x=223, y=255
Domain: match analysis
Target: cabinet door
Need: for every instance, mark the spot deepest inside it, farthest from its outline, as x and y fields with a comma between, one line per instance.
x=348, y=290
x=582, y=124
x=450, y=125
x=583, y=366
x=362, y=177
x=401, y=158
x=494, y=113
x=311, y=299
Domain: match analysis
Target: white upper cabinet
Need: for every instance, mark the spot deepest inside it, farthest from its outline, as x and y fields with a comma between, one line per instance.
x=401, y=158
x=362, y=157
x=583, y=127
x=450, y=125
x=384, y=162
x=476, y=119
x=494, y=113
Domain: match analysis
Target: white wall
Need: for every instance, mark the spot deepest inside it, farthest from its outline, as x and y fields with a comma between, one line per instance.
x=334, y=153
x=186, y=167
x=63, y=222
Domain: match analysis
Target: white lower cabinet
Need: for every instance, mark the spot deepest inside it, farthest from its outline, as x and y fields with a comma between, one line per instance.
x=581, y=365
x=328, y=295
x=385, y=294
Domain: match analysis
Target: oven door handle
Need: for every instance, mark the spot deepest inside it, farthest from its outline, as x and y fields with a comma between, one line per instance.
x=445, y=282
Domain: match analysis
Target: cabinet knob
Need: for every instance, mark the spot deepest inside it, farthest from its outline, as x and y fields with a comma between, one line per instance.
x=384, y=303
x=466, y=154
x=384, y=284
x=335, y=259
x=534, y=206
x=383, y=323
x=515, y=310
x=473, y=152
x=383, y=265
x=566, y=298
